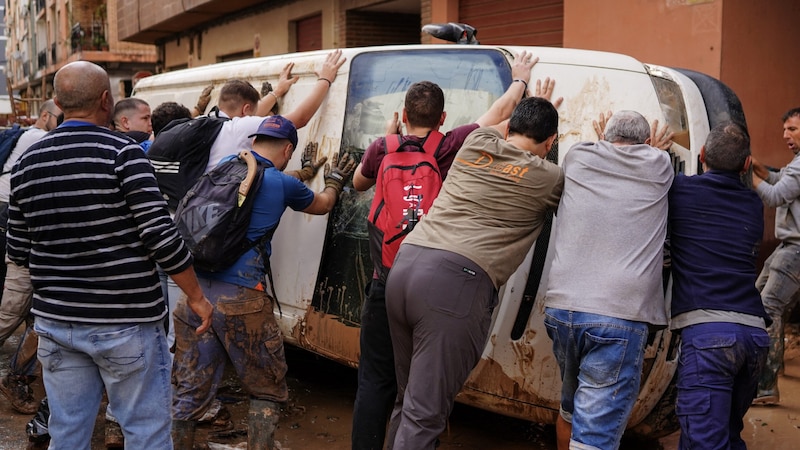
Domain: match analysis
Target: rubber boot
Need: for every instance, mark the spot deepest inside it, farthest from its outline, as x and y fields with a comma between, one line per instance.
x=262, y=419
x=183, y=434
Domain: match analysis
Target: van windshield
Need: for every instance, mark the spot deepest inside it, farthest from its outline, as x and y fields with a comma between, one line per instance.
x=471, y=81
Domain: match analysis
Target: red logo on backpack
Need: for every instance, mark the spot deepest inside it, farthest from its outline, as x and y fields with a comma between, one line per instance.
x=408, y=182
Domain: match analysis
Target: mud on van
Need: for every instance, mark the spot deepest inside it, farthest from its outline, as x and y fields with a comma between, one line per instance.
x=321, y=263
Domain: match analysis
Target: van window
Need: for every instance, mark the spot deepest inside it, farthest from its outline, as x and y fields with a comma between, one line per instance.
x=471, y=81
x=670, y=97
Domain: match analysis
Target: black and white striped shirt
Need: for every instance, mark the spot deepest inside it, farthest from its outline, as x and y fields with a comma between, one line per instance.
x=86, y=215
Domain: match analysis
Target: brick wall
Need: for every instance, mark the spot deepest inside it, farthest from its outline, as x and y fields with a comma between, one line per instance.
x=365, y=28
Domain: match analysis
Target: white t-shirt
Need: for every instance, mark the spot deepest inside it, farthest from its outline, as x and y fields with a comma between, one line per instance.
x=233, y=138
x=27, y=139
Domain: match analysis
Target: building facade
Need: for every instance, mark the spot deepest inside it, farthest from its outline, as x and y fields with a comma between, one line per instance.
x=43, y=35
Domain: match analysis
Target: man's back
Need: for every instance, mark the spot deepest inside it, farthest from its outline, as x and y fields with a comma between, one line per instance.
x=86, y=205
x=491, y=207
x=716, y=226
x=610, y=232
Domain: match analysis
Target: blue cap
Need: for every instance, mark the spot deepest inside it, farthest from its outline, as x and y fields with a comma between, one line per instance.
x=278, y=127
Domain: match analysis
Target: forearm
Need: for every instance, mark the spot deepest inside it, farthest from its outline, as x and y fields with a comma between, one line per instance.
x=301, y=115
x=187, y=281
x=266, y=104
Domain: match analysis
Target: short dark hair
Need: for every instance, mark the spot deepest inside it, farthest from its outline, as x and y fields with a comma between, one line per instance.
x=126, y=106
x=235, y=93
x=727, y=147
x=535, y=118
x=791, y=113
x=424, y=104
x=166, y=113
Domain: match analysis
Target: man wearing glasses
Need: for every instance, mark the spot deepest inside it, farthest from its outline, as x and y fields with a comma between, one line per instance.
x=15, y=386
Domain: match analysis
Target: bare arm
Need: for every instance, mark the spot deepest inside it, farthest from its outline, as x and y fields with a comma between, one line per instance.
x=306, y=110
x=759, y=169
x=360, y=182
x=502, y=107
x=197, y=301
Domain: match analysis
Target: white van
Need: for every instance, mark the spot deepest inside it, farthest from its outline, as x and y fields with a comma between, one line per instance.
x=321, y=263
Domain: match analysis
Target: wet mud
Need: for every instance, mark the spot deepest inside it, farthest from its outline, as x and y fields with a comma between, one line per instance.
x=318, y=414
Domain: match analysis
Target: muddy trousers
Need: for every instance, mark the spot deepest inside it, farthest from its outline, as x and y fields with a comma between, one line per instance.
x=779, y=283
x=439, y=306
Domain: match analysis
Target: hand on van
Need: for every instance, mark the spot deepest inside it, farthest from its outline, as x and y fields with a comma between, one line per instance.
x=545, y=91
x=310, y=163
x=393, y=125
x=285, y=80
x=339, y=173
x=332, y=63
x=660, y=139
x=599, y=125
x=202, y=101
x=502, y=107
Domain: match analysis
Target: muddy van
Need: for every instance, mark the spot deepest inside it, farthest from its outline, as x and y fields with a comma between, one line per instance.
x=321, y=263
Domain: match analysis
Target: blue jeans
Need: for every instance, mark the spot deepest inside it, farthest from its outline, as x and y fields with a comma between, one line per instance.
x=600, y=358
x=129, y=360
x=778, y=283
x=717, y=380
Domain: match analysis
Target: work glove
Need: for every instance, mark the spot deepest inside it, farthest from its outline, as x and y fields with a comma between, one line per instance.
x=266, y=88
x=205, y=97
x=339, y=173
x=309, y=162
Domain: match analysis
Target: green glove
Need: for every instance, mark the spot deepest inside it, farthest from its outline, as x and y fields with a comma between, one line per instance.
x=339, y=173
x=310, y=164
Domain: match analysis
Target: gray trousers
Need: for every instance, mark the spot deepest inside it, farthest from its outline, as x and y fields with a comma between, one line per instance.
x=440, y=308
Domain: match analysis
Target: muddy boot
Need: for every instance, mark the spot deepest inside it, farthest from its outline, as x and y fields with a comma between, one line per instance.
x=261, y=422
x=183, y=434
x=18, y=392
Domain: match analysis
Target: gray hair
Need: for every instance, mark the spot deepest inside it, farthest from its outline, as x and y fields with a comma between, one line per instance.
x=627, y=127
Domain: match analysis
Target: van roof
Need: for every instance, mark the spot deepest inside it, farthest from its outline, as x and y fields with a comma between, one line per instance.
x=305, y=62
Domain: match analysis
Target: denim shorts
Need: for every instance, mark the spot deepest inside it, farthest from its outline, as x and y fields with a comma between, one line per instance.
x=600, y=358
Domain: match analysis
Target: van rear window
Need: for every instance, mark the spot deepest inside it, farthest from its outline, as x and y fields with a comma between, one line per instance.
x=471, y=81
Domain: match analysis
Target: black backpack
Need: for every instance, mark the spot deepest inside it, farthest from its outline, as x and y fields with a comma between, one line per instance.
x=214, y=216
x=8, y=140
x=179, y=154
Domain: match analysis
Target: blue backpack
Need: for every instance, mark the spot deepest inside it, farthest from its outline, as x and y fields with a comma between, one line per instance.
x=8, y=140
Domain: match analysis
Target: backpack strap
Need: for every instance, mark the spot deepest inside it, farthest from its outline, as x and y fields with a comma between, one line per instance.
x=433, y=143
x=392, y=143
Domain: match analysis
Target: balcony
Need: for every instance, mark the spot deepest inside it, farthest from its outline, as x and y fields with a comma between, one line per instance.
x=89, y=38
x=147, y=21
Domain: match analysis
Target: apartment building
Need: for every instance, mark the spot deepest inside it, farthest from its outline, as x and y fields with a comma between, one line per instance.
x=43, y=35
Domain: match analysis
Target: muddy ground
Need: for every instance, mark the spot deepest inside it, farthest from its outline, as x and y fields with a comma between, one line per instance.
x=319, y=414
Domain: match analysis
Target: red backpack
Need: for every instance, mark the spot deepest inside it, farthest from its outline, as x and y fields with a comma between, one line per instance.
x=408, y=182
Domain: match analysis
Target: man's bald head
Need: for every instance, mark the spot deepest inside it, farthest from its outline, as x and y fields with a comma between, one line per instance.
x=81, y=88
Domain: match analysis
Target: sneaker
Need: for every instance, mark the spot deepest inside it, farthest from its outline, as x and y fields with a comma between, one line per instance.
x=767, y=398
x=19, y=394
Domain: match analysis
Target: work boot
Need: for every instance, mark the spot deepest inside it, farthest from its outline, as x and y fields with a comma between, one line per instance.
x=18, y=392
x=183, y=434
x=262, y=419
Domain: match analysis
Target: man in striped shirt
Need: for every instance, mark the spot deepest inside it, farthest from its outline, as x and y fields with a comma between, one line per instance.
x=87, y=218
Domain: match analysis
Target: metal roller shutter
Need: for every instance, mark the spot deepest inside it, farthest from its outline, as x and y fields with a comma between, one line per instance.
x=526, y=22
